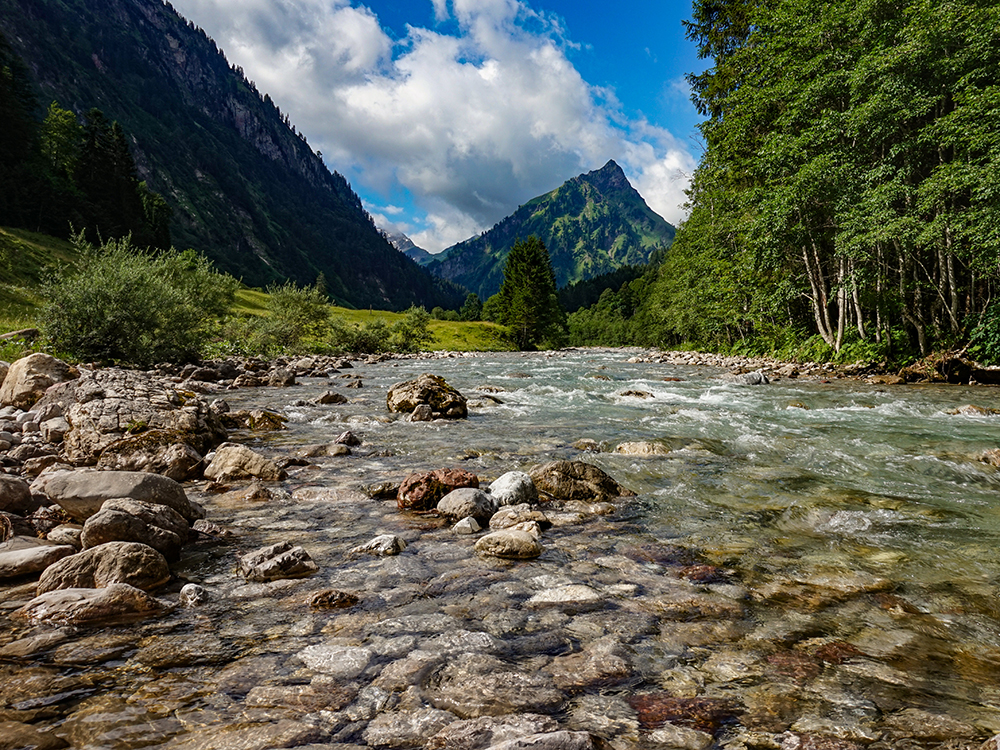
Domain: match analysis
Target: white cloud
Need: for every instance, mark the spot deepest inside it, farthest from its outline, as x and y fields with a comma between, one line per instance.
x=471, y=123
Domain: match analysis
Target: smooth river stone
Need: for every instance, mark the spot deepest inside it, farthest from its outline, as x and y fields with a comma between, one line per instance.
x=22, y=556
x=340, y=662
x=512, y=543
x=118, y=603
x=406, y=729
x=486, y=731
x=576, y=597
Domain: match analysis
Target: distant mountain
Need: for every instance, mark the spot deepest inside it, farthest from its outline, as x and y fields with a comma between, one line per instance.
x=591, y=225
x=246, y=189
x=405, y=245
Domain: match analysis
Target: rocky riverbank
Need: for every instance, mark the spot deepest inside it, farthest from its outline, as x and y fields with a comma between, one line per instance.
x=177, y=574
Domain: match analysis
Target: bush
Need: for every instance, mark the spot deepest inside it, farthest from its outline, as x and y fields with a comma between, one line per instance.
x=125, y=305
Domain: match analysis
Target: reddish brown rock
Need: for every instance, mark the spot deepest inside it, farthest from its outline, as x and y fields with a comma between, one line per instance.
x=423, y=490
x=704, y=714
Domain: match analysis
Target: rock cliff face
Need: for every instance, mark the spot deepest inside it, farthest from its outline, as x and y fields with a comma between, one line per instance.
x=592, y=224
x=246, y=189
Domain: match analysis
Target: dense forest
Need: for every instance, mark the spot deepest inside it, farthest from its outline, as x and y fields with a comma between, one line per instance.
x=848, y=200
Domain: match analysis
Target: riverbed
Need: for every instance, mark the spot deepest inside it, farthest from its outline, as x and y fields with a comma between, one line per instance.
x=804, y=564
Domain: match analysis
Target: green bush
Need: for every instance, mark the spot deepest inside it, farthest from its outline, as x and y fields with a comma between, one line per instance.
x=122, y=304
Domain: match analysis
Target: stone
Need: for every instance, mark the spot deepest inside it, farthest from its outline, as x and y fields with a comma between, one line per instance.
x=28, y=378
x=422, y=490
x=587, y=444
x=336, y=660
x=107, y=564
x=330, y=397
x=643, y=448
x=17, y=736
x=683, y=738
x=468, y=525
x=513, y=515
x=193, y=595
x=82, y=493
x=54, y=430
x=602, y=663
x=576, y=480
x=513, y=488
x=333, y=599
x=575, y=597
x=117, y=604
x=509, y=543
x=127, y=520
x=746, y=378
x=157, y=451
x=325, y=449
x=277, y=561
x=347, y=438
x=281, y=378
x=233, y=461
x=15, y=495
x=465, y=502
x=473, y=685
x=168, y=651
x=422, y=413
x=381, y=546
x=406, y=729
x=24, y=556
x=487, y=731
x=432, y=390
x=67, y=533
x=560, y=740
x=107, y=405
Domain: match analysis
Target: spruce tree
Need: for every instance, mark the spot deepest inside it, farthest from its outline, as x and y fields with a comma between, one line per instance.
x=527, y=300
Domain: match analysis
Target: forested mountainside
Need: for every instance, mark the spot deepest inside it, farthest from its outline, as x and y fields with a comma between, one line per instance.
x=246, y=189
x=850, y=189
x=591, y=225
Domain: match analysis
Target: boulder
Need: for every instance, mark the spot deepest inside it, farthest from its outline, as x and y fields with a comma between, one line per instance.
x=576, y=480
x=157, y=451
x=117, y=604
x=465, y=502
x=473, y=685
x=510, y=543
x=602, y=663
x=445, y=401
x=107, y=405
x=82, y=493
x=234, y=461
x=15, y=495
x=330, y=397
x=422, y=413
x=277, y=561
x=513, y=488
x=29, y=377
x=136, y=564
x=25, y=555
x=643, y=448
x=513, y=515
x=281, y=378
x=127, y=520
x=383, y=545
x=746, y=378
x=423, y=490
x=15, y=735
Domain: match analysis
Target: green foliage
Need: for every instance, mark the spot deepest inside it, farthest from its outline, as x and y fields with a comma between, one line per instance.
x=472, y=308
x=125, y=305
x=527, y=303
x=985, y=337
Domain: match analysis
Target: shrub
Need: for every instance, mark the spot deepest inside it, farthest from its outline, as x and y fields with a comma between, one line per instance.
x=126, y=305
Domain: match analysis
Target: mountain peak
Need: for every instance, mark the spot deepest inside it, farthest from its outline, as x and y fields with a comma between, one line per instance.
x=609, y=178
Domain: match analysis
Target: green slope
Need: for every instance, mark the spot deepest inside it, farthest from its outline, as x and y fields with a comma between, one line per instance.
x=246, y=189
x=592, y=224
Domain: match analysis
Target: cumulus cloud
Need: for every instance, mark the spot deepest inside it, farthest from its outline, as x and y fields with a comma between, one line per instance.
x=471, y=122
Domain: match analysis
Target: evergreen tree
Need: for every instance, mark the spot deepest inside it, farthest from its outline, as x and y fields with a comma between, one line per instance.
x=527, y=302
x=472, y=308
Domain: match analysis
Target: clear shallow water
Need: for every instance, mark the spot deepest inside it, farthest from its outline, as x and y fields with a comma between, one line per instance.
x=836, y=515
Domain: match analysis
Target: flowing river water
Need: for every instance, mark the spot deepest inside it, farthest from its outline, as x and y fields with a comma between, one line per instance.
x=811, y=564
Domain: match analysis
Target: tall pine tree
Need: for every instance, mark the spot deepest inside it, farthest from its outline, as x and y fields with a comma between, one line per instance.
x=527, y=302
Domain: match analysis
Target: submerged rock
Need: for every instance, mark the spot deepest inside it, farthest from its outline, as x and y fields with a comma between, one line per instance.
x=85, y=607
x=473, y=685
x=381, y=546
x=576, y=480
x=488, y=731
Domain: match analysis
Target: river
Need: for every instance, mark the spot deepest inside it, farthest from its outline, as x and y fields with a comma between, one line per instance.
x=808, y=560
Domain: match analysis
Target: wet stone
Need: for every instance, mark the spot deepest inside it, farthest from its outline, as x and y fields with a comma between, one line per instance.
x=167, y=651
x=277, y=561
x=406, y=729
x=338, y=661
x=488, y=731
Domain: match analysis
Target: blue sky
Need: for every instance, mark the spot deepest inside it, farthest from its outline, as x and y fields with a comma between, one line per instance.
x=446, y=115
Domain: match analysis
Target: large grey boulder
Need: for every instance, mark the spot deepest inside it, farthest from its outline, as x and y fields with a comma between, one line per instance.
x=513, y=488
x=105, y=406
x=29, y=377
x=233, y=461
x=82, y=493
x=156, y=451
x=445, y=402
x=15, y=495
x=576, y=480
x=25, y=555
x=136, y=564
x=117, y=604
x=465, y=502
x=127, y=520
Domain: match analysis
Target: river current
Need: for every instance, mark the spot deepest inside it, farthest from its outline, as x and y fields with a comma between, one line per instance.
x=819, y=558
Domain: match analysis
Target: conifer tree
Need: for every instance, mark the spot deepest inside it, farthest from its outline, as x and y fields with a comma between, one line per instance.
x=527, y=302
